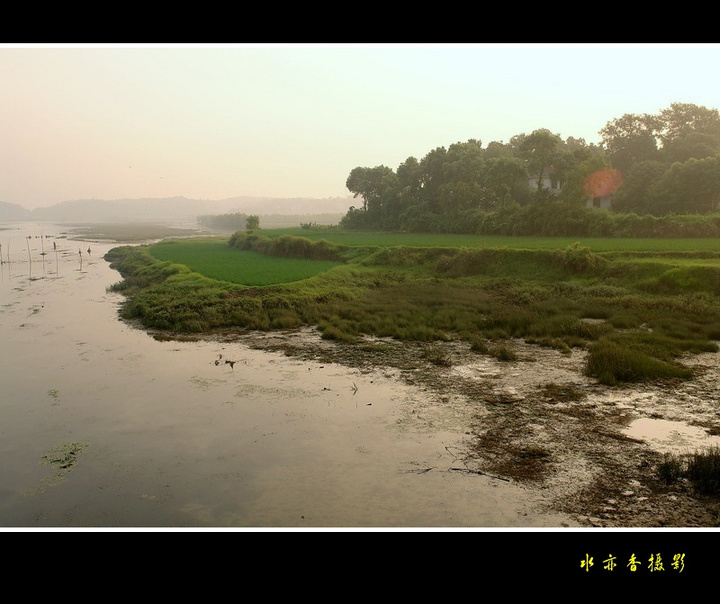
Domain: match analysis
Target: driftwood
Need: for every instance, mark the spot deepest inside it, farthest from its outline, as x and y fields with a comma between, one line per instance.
x=480, y=473
x=466, y=470
x=426, y=470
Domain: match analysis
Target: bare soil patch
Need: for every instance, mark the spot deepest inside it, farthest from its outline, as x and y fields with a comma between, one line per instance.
x=539, y=421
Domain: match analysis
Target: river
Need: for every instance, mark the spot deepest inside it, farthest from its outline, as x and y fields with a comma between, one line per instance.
x=103, y=425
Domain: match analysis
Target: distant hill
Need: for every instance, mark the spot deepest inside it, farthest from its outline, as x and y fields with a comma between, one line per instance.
x=173, y=209
x=10, y=212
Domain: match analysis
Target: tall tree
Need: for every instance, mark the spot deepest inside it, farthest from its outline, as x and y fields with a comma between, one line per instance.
x=252, y=222
x=461, y=173
x=692, y=186
x=432, y=178
x=539, y=150
x=409, y=190
x=498, y=149
x=689, y=131
x=372, y=184
x=682, y=118
x=501, y=178
x=631, y=139
x=637, y=190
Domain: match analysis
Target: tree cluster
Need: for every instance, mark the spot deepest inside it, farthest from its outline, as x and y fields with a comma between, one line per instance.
x=670, y=161
x=230, y=222
x=651, y=165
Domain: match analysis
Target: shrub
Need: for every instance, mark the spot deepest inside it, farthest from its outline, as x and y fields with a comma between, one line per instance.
x=702, y=468
x=479, y=345
x=612, y=364
x=437, y=356
x=503, y=352
x=287, y=246
x=704, y=471
x=580, y=259
x=671, y=468
x=330, y=332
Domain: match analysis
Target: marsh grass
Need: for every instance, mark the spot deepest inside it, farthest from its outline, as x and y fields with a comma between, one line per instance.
x=701, y=468
x=437, y=356
x=671, y=468
x=478, y=344
x=567, y=298
x=613, y=364
x=503, y=352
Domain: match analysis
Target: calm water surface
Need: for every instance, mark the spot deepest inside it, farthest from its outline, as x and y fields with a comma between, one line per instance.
x=103, y=426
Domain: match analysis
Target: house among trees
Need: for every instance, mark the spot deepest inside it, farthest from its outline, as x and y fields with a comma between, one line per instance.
x=602, y=201
x=597, y=198
x=600, y=186
x=546, y=180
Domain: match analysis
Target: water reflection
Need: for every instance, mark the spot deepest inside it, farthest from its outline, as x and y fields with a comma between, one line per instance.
x=104, y=425
x=667, y=436
x=23, y=251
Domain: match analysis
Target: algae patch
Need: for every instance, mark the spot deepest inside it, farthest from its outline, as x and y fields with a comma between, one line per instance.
x=250, y=390
x=62, y=459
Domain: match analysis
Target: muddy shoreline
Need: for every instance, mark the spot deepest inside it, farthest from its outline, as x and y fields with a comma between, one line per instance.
x=539, y=422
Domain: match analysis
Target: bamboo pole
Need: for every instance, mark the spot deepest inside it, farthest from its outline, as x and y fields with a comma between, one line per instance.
x=27, y=242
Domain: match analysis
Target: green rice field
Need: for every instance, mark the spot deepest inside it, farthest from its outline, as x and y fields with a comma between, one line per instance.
x=596, y=244
x=213, y=258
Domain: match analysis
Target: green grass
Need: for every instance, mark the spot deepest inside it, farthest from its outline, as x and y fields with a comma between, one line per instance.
x=636, y=312
x=213, y=258
x=596, y=244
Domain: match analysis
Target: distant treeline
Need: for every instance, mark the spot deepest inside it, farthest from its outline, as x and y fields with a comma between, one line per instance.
x=230, y=222
x=555, y=218
x=653, y=175
x=238, y=221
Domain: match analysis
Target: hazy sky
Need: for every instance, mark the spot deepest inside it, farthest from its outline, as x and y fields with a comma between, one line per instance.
x=219, y=121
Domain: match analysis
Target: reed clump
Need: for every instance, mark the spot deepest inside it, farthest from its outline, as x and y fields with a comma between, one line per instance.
x=701, y=468
x=613, y=363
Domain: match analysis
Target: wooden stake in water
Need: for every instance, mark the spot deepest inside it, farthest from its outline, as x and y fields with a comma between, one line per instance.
x=27, y=241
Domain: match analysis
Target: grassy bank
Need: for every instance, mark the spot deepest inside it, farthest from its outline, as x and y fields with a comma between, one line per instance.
x=636, y=308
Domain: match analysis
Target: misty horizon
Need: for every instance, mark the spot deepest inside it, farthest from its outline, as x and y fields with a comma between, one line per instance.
x=121, y=121
x=330, y=210
x=233, y=199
